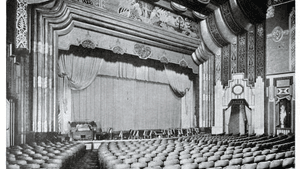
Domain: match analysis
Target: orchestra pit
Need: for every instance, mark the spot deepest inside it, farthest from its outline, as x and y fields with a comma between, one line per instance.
x=170, y=84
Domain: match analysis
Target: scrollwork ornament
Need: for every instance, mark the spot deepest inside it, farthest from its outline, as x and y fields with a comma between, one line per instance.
x=142, y=51
x=277, y=34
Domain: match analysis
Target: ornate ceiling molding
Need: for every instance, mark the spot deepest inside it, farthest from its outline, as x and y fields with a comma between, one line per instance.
x=215, y=32
x=229, y=19
x=223, y=28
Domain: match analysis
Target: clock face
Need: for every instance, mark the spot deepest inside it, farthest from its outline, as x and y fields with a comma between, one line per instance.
x=238, y=89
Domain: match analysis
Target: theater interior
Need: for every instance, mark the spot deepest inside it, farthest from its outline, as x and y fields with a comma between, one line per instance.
x=119, y=84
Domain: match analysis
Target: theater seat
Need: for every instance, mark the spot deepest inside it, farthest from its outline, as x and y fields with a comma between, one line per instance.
x=233, y=167
x=213, y=158
x=263, y=165
x=276, y=164
x=177, y=166
x=259, y=158
x=207, y=164
x=13, y=166
x=221, y=163
x=138, y=165
x=154, y=167
x=288, y=162
x=236, y=161
x=226, y=157
x=200, y=159
x=249, y=166
x=185, y=161
x=155, y=163
x=270, y=157
x=189, y=166
x=30, y=166
x=280, y=155
x=239, y=155
x=248, y=160
x=171, y=162
x=289, y=154
x=247, y=154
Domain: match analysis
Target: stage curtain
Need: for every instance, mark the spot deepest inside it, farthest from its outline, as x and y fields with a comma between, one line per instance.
x=80, y=71
x=125, y=104
x=179, y=82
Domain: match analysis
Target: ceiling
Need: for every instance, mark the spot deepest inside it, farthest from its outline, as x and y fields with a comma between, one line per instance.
x=220, y=21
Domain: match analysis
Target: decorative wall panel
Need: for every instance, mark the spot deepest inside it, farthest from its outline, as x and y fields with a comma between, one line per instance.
x=254, y=96
x=225, y=65
x=233, y=58
x=218, y=68
x=21, y=24
x=260, y=50
x=251, y=56
x=214, y=31
x=242, y=54
x=292, y=39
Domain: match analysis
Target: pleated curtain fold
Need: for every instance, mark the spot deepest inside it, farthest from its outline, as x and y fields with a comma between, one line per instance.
x=179, y=82
x=80, y=71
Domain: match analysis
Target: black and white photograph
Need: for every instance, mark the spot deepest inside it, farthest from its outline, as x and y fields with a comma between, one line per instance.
x=150, y=84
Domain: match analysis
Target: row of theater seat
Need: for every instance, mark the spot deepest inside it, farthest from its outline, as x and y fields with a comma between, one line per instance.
x=193, y=152
x=44, y=155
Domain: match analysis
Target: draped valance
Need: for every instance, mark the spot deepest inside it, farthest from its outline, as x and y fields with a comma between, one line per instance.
x=82, y=70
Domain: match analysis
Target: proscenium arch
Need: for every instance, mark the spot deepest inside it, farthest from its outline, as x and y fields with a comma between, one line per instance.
x=56, y=18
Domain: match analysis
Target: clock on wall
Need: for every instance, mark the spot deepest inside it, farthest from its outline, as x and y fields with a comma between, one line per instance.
x=237, y=89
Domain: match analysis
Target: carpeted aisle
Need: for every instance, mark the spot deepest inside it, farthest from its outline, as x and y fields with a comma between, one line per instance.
x=88, y=161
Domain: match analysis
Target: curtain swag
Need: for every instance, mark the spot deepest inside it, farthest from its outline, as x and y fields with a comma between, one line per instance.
x=179, y=82
x=80, y=71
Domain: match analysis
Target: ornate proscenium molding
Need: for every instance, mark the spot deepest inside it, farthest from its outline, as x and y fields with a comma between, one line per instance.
x=88, y=42
x=142, y=51
x=116, y=48
x=215, y=32
x=229, y=19
x=183, y=63
x=201, y=54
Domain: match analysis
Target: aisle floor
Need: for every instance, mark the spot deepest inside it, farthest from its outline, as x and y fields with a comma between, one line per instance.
x=88, y=161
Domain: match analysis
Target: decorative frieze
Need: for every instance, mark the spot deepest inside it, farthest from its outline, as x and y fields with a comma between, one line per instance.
x=270, y=12
x=251, y=57
x=242, y=54
x=225, y=64
x=292, y=39
x=218, y=67
x=229, y=19
x=260, y=51
x=142, y=51
x=21, y=24
x=87, y=42
x=117, y=48
x=214, y=31
x=233, y=57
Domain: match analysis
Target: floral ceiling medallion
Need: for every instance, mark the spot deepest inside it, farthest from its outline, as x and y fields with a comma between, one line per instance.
x=142, y=51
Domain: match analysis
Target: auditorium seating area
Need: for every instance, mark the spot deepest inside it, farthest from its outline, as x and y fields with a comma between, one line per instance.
x=201, y=151
x=44, y=155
